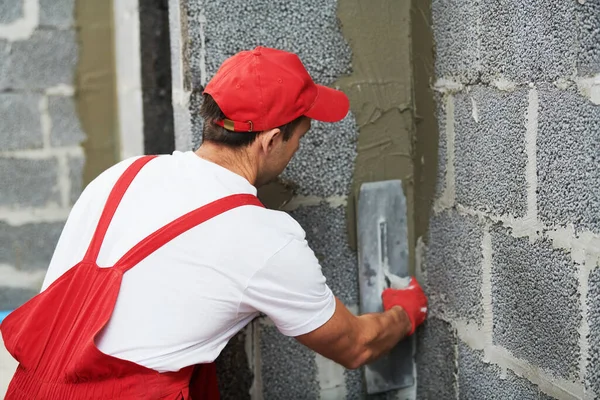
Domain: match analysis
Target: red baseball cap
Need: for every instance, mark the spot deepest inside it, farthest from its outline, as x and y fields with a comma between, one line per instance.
x=265, y=88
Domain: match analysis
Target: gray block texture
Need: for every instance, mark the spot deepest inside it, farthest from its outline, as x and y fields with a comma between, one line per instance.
x=66, y=129
x=455, y=28
x=29, y=247
x=20, y=126
x=588, y=17
x=28, y=182
x=535, y=303
x=10, y=11
x=44, y=60
x=479, y=380
x=289, y=370
x=326, y=234
x=57, y=13
x=11, y=298
x=4, y=59
x=324, y=164
x=532, y=41
x=453, y=266
x=441, y=105
x=76, y=165
x=592, y=379
x=568, y=154
x=490, y=153
x=436, y=360
x=233, y=371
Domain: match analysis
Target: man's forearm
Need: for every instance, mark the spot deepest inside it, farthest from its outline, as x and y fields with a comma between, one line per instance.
x=382, y=331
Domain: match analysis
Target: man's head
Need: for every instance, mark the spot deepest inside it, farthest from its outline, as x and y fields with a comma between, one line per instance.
x=260, y=103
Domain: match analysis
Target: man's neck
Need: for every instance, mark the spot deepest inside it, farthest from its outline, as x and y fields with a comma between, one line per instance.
x=237, y=161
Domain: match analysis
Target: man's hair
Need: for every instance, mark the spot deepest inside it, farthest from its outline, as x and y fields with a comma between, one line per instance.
x=212, y=132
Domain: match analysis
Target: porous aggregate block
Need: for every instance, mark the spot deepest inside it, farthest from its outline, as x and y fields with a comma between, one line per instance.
x=593, y=369
x=28, y=182
x=289, y=370
x=568, y=153
x=57, y=13
x=490, y=155
x=479, y=380
x=535, y=302
x=326, y=233
x=453, y=265
x=233, y=371
x=66, y=128
x=10, y=11
x=533, y=41
x=11, y=298
x=588, y=19
x=456, y=39
x=29, y=247
x=76, y=165
x=436, y=360
x=20, y=126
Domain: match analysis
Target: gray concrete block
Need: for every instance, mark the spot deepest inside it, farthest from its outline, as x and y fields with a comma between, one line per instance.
x=11, y=298
x=588, y=17
x=567, y=159
x=479, y=380
x=76, y=165
x=455, y=25
x=197, y=123
x=593, y=299
x=10, y=11
x=436, y=360
x=536, y=302
x=28, y=182
x=490, y=153
x=57, y=13
x=46, y=59
x=233, y=371
x=66, y=129
x=354, y=384
x=440, y=185
x=4, y=58
x=528, y=41
x=453, y=265
x=324, y=164
x=21, y=126
x=289, y=370
x=327, y=236
x=29, y=247
x=282, y=23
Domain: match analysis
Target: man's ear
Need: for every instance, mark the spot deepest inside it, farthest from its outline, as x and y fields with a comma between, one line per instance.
x=270, y=139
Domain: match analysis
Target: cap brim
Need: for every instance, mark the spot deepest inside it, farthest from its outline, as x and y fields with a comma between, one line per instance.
x=330, y=106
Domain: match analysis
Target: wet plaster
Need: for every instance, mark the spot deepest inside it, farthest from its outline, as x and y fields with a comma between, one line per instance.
x=381, y=98
x=96, y=94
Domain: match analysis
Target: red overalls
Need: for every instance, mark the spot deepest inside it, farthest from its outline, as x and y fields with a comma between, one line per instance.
x=52, y=335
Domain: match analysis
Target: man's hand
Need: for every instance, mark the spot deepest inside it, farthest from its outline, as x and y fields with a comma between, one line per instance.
x=411, y=299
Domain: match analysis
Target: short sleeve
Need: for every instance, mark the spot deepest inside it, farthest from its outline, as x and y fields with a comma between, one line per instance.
x=291, y=290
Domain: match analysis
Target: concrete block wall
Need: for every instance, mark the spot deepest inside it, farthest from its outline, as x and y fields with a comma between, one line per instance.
x=41, y=158
x=511, y=260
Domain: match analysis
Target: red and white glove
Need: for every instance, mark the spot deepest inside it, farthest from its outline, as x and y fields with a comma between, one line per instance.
x=411, y=299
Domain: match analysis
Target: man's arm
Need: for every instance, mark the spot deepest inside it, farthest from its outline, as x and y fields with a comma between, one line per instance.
x=354, y=341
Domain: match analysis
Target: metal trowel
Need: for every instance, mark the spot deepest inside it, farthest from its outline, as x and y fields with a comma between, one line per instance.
x=383, y=262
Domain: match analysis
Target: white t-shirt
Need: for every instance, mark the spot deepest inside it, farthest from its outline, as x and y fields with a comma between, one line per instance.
x=181, y=305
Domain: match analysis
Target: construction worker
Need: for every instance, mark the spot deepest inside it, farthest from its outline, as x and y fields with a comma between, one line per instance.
x=163, y=259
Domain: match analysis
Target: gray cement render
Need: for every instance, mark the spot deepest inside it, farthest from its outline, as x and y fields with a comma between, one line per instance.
x=490, y=151
x=528, y=41
x=592, y=378
x=289, y=370
x=479, y=380
x=46, y=59
x=567, y=159
x=588, y=17
x=326, y=234
x=66, y=128
x=11, y=298
x=58, y=13
x=453, y=266
x=10, y=11
x=21, y=122
x=535, y=303
x=28, y=182
x=436, y=360
x=455, y=28
x=28, y=247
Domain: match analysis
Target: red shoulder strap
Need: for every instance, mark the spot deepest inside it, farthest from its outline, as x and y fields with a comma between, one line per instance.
x=114, y=198
x=182, y=224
